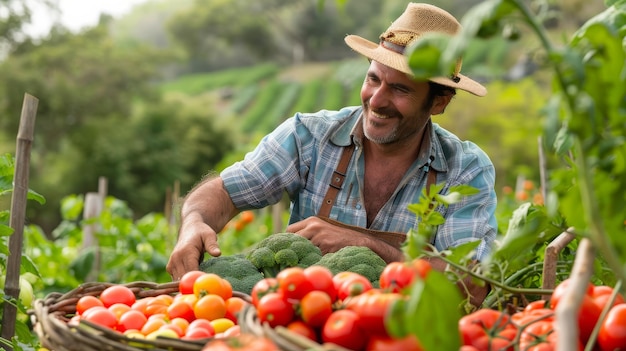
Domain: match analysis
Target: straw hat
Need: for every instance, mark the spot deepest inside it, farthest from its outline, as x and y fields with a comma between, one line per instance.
x=415, y=21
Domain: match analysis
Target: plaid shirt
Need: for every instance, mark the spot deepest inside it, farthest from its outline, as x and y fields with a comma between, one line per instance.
x=300, y=156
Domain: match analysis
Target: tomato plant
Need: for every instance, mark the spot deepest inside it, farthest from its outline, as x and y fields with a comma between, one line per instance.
x=487, y=329
x=612, y=335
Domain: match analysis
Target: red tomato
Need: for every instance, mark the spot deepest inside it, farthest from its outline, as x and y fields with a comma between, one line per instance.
x=372, y=309
x=315, y=308
x=421, y=266
x=101, y=316
x=293, y=283
x=321, y=278
x=262, y=287
x=612, y=335
x=350, y=284
x=486, y=329
x=602, y=293
x=533, y=315
x=233, y=307
x=210, y=283
x=181, y=309
x=117, y=294
x=299, y=327
x=396, y=276
x=201, y=323
x=185, y=284
x=132, y=319
x=86, y=302
x=537, y=305
x=589, y=312
x=535, y=336
x=197, y=333
x=274, y=309
x=386, y=343
x=342, y=328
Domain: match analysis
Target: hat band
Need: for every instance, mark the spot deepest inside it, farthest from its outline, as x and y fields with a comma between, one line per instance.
x=399, y=49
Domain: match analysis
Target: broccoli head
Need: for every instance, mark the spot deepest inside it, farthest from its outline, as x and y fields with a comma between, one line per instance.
x=282, y=250
x=358, y=259
x=238, y=270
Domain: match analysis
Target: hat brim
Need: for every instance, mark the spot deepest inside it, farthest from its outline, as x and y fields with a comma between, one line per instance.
x=399, y=62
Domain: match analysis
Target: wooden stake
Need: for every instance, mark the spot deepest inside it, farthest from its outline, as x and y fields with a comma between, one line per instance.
x=18, y=211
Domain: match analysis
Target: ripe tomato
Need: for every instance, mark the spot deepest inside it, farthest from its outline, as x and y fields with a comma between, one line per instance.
x=589, y=311
x=321, y=278
x=101, y=316
x=262, y=287
x=486, y=328
x=315, y=308
x=86, y=302
x=387, y=343
x=535, y=337
x=210, y=307
x=132, y=319
x=293, y=283
x=185, y=284
x=211, y=283
x=274, y=309
x=421, y=266
x=602, y=293
x=244, y=342
x=199, y=328
x=197, y=333
x=117, y=294
x=612, y=335
x=152, y=325
x=299, y=327
x=350, y=284
x=118, y=309
x=396, y=276
x=372, y=309
x=342, y=328
x=233, y=306
x=181, y=309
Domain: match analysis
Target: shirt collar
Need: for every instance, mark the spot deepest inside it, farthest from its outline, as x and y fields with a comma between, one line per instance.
x=352, y=132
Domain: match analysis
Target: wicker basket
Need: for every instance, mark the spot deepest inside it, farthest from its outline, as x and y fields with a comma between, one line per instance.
x=285, y=339
x=52, y=313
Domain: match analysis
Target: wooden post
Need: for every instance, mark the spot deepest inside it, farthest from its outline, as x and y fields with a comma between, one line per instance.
x=18, y=211
x=93, y=207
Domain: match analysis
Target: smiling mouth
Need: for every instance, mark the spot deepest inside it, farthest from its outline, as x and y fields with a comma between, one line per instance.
x=380, y=116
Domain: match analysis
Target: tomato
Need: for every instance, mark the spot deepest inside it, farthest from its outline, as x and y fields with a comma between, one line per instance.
x=602, y=293
x=152, y=325
x=612, y=333
x=293, y=283
x=117, y=294
x=299, y=327
x=233, y=307
x=210, y=283
x=210, y=307
x=118, y=309
x=372, y=308
x=101, y=316
x=387, y=343
x=315, y=308
x=537, y=305
x=274, y=309
x=205, y=327
x=86, y=302
x=197, y=333
x=342, y=328
x=321, y=278
x=221, y=325
x=396, y=276
x=244, y=342
x=182, y=323
x=173, y=327
x=421, y=266
x=532, y=315
x=181, y=309
x=535, y=336
x=262, y=287
x=350, y=284
x=487, y=329
x=132, y=319
x=185, y=284
x=589, y=311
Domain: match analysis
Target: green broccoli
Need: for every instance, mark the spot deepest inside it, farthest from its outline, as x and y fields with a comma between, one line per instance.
x=281, y=250
x=239, y=271
x=358, y=259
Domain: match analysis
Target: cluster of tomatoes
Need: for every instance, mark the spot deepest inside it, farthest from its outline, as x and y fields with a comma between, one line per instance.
x=532, y=329
x=203, y=308
x=343, y=309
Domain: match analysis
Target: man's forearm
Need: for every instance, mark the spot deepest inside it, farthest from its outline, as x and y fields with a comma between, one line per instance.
x=211, y=202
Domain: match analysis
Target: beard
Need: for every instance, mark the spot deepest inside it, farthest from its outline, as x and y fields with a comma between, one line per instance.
x=399, y=131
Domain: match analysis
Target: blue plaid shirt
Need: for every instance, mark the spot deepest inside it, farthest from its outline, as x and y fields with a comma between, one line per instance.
x=300, y=156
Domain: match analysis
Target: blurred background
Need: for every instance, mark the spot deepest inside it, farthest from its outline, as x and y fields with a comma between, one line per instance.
x=154, y=94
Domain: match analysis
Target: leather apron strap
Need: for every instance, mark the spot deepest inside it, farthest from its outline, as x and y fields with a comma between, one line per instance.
x=394, y=239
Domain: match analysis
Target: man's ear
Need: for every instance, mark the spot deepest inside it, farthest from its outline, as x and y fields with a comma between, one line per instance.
x=440, y=103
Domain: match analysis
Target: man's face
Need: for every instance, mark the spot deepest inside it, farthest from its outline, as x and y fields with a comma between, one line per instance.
x=395, y=107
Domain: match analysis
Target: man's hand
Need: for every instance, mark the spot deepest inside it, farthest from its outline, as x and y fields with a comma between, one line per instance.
x=195, y=238
x=331, y=238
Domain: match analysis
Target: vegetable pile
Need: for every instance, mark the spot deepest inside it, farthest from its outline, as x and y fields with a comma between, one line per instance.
x=285, y=250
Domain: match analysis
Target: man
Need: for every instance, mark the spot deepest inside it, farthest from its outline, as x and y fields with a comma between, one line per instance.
x=360, y=166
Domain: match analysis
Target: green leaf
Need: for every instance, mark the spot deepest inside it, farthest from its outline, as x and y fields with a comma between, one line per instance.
x=83, y=264
x=425, y=315
x=72, y=207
